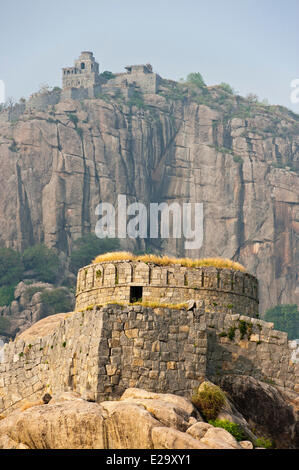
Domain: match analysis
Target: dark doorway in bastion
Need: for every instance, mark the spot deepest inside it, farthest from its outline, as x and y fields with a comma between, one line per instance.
x=135, y=294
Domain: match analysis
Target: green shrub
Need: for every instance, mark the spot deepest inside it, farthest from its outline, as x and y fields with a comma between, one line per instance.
x=43, y=261
x=175, y=93
x=11, y=270
x=73, y=118
x=55, y=301
x=137, y=100
x=196, y=79
x=222, y=334
x=231, y=332
x=233, y=428
x=107, y=75
x=209, y=400
x=227, y=87
x=6, y=295
x=285, y=318
x=11, y=267
x=86, y=248
x=242, y=328
x=264, y=442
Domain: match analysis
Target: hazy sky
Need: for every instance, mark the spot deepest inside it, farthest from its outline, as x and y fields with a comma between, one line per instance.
x=251, y=44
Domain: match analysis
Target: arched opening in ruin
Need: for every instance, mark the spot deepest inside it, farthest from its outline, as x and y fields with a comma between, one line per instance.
x=82, y=65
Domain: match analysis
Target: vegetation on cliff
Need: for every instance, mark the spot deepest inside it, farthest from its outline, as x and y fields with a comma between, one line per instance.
x=43, y=261
x=11, y=270
x=233, y=428
x=55, y=301
x=208, y=399
x=285, y=318
x=39, y=259
x=87, y=247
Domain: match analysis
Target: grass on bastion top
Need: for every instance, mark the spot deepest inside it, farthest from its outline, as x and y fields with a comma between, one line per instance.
x=168, y=260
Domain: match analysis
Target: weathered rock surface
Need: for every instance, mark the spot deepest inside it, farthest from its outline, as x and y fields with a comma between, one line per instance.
x=242, y=164
x=217, y=438
x=181, y=403
x=198, y=430
x=69, y=422
x=43, y=327
x=265, y=408
x=246, y=445
x=171, y=410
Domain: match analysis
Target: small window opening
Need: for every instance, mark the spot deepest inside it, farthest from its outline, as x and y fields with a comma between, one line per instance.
x=82, y=65
x=136, y=294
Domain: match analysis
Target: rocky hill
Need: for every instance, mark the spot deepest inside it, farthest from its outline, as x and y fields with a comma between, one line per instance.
x=185, y=143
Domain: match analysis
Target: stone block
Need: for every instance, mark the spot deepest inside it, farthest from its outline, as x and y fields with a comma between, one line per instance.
x=171, y=365
x=132, y=333
x=137, y=362
x=255, y=338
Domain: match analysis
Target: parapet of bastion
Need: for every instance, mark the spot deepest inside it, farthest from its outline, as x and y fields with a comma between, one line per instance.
x=128, y=281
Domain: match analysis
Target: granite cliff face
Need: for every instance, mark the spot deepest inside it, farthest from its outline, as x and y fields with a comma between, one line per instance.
x=240, y=159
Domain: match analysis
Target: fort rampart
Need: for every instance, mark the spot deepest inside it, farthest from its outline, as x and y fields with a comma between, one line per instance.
x=222, y=290
x=101, y=352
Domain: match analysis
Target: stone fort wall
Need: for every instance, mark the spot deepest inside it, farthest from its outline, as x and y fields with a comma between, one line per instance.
x=145, y=82
x=101, y=352
x=40, y=101
x=222, y=290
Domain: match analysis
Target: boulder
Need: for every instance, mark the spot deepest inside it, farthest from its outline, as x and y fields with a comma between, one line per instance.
x=68, y=425
x=43, y=327
x=265, y=407
x=198, y=430
x=69, y=422
x=246, y=445
x=180, y=402
x=218, y=438
x=168, y=438
x=166, y=413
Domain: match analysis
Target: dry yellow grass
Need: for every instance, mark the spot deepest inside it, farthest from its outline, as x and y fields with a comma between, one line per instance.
x=30, y=404
x=168, y=260
x=114, y=256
